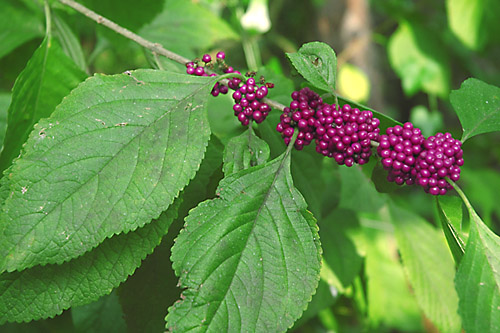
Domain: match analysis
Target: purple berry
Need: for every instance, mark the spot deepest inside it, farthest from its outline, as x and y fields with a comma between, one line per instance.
x=221, y=55
x=206, y=58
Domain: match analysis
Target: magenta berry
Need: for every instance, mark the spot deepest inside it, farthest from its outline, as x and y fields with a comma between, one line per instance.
x=220, y=55
x=441, y=158
x=399, y=149
x=206, y=58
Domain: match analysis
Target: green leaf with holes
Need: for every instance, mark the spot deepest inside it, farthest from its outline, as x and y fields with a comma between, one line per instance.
x=113, y=156
x=249, y=259
x=317, y=63
x=477, y=105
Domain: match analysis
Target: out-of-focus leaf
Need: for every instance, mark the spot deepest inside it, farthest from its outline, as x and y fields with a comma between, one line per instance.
x=18, y=25
x=473, y=22
x=48, y=77
x=477, y=105
x=428, y=121
x=103, y=315
x=185, y=27
x=317, y=63
x=420, y=60
x=390, y=302
x=69, y=41
x=429, y=267
x=353, y=83
x=250, y=258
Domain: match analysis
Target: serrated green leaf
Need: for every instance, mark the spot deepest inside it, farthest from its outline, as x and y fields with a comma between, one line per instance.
x=45, y=291
x=478, y=277
x=48, y=77
x=103, y=315
x=450, y=214
x=114, y=155
x=69, y=41
x=477, y=105
x=419, y=59
x=317, y=63
x=185, y=26
x=18, y=25
x=249, y=259
x=244, y=151
x=429, y=267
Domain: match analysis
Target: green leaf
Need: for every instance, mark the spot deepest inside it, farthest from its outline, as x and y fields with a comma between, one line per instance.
x=185, y=27
x=478, y=277
x=473, y=22
x=48, y=77
x=244, y=151
x=450, y=214
x=419, y=59
x=18, y=25
x=357, y=192
x=339, y=252
x=104, y=315
x=69, y=41
x=317, y=63
x=45, y=291
x=249, y=259
x=390, y=301
x=379, y=179
x=429, y=267
x=114, y=155
x=4, y=105
x=477, y=105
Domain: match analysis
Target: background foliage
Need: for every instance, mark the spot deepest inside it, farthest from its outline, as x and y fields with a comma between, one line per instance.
x=392, y=260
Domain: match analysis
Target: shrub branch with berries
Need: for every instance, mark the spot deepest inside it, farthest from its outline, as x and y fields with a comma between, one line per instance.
x=124, y=159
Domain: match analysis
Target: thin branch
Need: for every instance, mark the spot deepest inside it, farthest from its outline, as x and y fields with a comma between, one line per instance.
x=154, y=47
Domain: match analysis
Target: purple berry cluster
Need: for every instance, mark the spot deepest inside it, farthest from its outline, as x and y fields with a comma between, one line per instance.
x=441, y=157
x=346, y=133
x=248, y=96
x=248, y=102
x=301, y=115
x=399, y=149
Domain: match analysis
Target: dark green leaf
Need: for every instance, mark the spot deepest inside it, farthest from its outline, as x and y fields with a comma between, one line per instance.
x=113, y=156
x=357, y=192
x=104, y=315
x=450, y=214
x=478, y=278
x=18, y=25
x=186, y=26
x=419, y=59
x=4, y=105
x=249, y=259
x=379, y=179
x=429, y=267
x=45, y=291
x=477, y=105
x=317, y=63
x=48, y=77
x=244, y=151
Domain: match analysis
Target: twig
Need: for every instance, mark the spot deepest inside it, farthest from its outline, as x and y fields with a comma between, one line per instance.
x=154, y=47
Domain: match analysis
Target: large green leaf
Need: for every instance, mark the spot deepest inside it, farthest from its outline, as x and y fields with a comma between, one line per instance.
x=47, y=78
x=186, y=26
x=419, y=59
x=45, y=291
x=114, y=155
x=244, y=151
x=478, y=277
x=18, y=25
x=450, y=214
x=477, y=105
x=249, y=259
x=473, y=22
x=429, y=267
x=317, y=63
